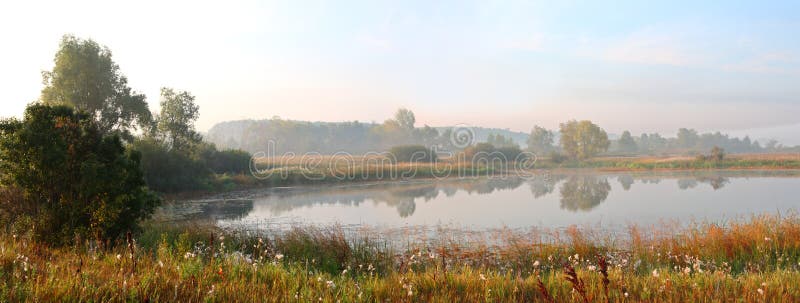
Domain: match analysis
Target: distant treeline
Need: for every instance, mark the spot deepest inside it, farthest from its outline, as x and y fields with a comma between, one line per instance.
x=358, y=138
x=352, y=137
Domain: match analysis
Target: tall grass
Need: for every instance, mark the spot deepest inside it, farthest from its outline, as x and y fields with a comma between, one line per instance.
x=754, y=260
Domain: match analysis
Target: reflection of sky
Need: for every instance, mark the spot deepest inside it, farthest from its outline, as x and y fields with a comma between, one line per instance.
x=474, y=204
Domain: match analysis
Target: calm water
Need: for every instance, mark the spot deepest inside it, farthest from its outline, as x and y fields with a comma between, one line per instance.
x=549, y=200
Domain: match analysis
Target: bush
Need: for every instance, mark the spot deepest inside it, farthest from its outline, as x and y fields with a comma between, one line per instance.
x=486, y=152
x=231, y=161
x=412, y=153
x=74, y=181
x=168, y=170
x=557, y=157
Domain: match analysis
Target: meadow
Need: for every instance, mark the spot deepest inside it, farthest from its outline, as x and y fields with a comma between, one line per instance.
x=755, y=259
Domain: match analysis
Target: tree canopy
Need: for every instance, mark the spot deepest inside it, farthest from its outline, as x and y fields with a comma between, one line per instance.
x=583, y=139
x=175, y=123
x=78, y=181
x=86, y=78
x=541, y=140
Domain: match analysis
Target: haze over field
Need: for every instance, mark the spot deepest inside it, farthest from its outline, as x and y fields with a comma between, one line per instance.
x=635, y=66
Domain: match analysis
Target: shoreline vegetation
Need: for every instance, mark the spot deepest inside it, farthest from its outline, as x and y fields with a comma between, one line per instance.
x=754, y=260
x=332, y=169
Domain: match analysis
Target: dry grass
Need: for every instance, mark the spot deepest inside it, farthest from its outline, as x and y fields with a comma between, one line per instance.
x=753, y=261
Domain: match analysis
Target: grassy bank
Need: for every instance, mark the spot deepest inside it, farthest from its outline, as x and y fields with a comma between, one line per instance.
x=755, y=260
x=331, y=170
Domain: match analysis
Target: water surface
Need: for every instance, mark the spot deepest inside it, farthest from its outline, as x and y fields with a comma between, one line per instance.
x=550, y=200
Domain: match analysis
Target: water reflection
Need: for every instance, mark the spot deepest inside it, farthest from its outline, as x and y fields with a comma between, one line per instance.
x=568, y=192
x=584, y=192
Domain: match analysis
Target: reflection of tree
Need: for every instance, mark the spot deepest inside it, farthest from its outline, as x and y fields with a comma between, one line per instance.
x=716, y=182
x=401, y=196
x=227, y=210
x=626, y=181
x=542, y=185
x=687, y=183
x=584, y=192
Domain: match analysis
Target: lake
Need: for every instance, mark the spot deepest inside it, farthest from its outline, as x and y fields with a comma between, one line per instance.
x=549, y=200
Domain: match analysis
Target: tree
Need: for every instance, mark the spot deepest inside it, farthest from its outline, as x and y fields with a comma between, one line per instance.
x=83, y=183
x=499, y=140
x=626, y=142
x=86, y=78
x=541, y=140
x=175, y=124
x=412, y=154
x=405, y=118
x=687, y=138
x=583, y=139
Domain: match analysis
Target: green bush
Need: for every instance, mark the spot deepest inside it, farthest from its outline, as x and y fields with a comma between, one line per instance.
x=74, y=181
x=169, y=170
x=412, y=153
x=230, y=161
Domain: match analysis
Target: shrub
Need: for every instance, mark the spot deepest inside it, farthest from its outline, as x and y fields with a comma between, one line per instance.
x=412, y=153
x=169, y=170
x=79, y=182
x=230, y=161
x=557, y=157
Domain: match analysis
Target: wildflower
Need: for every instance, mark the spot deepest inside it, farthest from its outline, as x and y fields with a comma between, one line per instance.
x=687, y=270
x=222, y=238
x=483, y=278
x=536, y=263
x=767, y=239
x=330, y=284
x=279, y=256
x=212, y=290
x=592, y=267
x=410, y=293
x=344, y=272
x=626, y=294
x=760, y=291
x=119, y=257
x=160, y=264
x=655, y=273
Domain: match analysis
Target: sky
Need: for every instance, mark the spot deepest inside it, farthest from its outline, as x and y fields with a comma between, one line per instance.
x=643, y=66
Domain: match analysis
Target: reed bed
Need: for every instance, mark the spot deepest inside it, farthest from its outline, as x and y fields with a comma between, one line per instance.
x=752, y=260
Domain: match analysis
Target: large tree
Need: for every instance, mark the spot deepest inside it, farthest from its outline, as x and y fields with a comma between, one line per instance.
x=540, y=140
x=86, y=78
x=79, y=181
x=626, y=142
x=583, y=139
x=175, y=123
x=405, y=118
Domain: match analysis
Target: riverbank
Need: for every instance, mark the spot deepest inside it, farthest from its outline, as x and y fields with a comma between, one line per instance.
x=754, y=260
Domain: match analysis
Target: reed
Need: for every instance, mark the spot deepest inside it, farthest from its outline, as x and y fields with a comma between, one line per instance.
x=755, y=259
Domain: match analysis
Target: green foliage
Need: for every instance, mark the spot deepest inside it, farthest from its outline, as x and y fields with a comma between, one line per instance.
x=175, y=123
x=86, y=78
x=557, y=157
x=540, y=140
x=499, y=140
x=583, y=139
x=412, y=153
x=405, y=118
x=75, y=181
x=485, y=152
x=231, y=161
x=170, y=170
x=626, y=142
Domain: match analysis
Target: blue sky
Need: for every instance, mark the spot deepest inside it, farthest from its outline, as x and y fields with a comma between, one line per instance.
x=638, y=65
